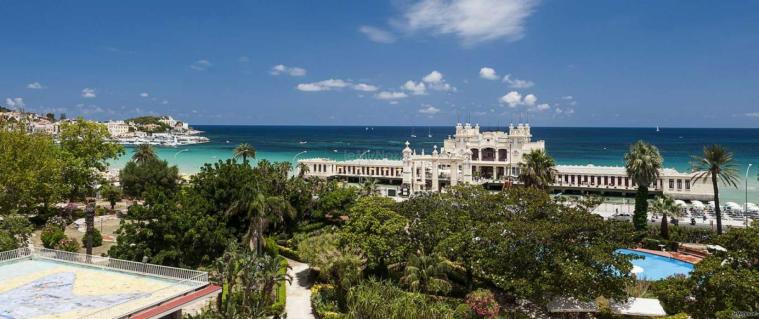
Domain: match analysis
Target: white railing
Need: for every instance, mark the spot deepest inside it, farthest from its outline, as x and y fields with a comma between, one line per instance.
x=187, y=280
x=122, y=265
x=15, y=254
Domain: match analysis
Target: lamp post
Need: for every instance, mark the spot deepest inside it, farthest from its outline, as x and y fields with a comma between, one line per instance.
x=745, y=204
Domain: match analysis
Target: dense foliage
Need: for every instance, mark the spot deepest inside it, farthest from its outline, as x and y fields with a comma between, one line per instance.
x=152, y=174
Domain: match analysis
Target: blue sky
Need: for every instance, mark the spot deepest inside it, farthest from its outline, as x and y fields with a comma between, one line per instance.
x=387, y=62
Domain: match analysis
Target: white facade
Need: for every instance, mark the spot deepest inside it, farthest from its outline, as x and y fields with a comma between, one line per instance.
x=492, y=158
x=117, y=128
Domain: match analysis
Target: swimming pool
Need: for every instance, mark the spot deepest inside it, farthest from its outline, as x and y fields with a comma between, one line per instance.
x=654, y=267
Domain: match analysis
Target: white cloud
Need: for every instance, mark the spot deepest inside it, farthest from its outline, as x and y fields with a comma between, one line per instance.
x=200, y=65
x=165, y=102
x=753, y=114
x=144, y=94
x=35, y=86
x=428, y=109
x=513, y=99
x=393, y=102
x=567, y=97
x=472, y=21
x=436, y=82
x=15, y=103
x=433, y=77
x=88, y=93
x=543, y=107
x=365, y=87
x=387, y=95
x=517, y=83
x=377, y=34
x=488, y=73
x=567, y=111
x=326, y=85
x=287, y=70
x=416, y=88
x=243, y=59
x=530, y=100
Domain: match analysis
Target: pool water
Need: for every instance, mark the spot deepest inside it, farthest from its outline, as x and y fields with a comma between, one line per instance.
x=654, y=267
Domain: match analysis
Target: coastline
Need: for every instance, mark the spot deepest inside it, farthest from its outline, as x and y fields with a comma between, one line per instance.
x=569, y=146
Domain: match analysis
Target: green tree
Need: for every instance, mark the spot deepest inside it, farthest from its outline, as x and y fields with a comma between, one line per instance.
x=136, y=178
x=427, y=274
x=379, y=300
x=89, y=147
x=144, y=153
x=335, y=199
x=31, y=167
x=245, y=150
x=716, y=163
x=171, y=229
x=111, y=193
x=378, y=231
x=369, y=187
x=538, y=170
x=15, y=231
x=665, y=206
x=727, y=282
x=260, y=211
x=642, y=164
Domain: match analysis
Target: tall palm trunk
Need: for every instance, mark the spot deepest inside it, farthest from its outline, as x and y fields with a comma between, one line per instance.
x=717, y=210
x=640, y=215
x=664, y=227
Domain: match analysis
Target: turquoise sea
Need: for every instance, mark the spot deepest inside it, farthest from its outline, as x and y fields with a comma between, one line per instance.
x=598, y=146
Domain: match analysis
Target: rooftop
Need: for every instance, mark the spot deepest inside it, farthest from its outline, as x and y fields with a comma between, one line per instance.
x=44, y=283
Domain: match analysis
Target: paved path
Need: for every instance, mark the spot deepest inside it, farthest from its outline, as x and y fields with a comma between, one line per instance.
x=299, y=292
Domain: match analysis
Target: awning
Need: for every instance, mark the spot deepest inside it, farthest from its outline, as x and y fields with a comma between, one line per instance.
x=643, y=307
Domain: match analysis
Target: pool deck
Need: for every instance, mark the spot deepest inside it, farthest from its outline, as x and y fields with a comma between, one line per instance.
x=674, y=255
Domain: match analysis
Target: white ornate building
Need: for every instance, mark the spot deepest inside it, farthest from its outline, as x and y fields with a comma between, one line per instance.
x=491, y=159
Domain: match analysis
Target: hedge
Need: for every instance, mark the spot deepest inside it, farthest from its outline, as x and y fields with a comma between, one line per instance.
x=323, y=303
x=278, y=307
x=289, y=253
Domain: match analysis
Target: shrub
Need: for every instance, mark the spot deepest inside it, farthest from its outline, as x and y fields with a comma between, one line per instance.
x=56, y=221
x=51, y=235
x=278, y=307
x=650, y=243
x=270, y=247
x=673, y=293
x=68, y=244
x=483, y=303
x=464, y=312
x=288, y=253
x=97, y=238
x=324, y=301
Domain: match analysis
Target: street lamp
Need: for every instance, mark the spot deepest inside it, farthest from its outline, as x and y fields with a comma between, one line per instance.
x=745, y=204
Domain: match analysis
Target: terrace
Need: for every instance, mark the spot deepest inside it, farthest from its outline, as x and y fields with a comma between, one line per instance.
x=39, y=282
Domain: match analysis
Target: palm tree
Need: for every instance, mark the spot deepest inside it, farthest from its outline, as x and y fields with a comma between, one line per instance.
x=665, y=206
x=642, y=164
x=426, y=274
x=537, y=170
x=260, y=210
x=144, y=153
x=715, y=163
x=369, y=187
x=245, y=150
x=302, y=169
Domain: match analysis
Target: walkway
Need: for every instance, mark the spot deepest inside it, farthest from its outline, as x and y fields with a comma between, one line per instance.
x=299, y=292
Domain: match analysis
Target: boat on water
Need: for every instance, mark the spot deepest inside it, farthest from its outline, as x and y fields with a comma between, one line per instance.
x=657, y=128
x=429, y=133
x=302, y=142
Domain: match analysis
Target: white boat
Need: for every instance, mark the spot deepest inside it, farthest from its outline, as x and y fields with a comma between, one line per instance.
x=429, y=133
x=302, y=142
x=657, y=128
x=697, y=204
x=680, y=203
x=711, y=204
x=751, y=207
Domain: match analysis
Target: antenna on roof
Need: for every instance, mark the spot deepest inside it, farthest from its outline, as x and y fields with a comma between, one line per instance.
x=469, y=117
